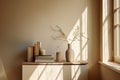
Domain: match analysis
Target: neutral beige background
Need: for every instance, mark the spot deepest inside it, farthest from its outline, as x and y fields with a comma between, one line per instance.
x=23, y=22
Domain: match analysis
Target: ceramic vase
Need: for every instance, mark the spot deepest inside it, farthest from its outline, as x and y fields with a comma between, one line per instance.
x=30, y=54
x=58, y=56
x=69, y=54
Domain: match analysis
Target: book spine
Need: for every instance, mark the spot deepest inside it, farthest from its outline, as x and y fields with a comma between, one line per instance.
x=44, y=60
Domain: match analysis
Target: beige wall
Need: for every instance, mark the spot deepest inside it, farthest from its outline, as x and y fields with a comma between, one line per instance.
x=24, y=22
x=94, y=42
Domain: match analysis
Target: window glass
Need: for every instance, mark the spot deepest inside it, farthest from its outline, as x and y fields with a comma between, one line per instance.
x=117, y=29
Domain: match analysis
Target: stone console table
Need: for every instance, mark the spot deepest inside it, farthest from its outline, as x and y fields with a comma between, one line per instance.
x=54, y=71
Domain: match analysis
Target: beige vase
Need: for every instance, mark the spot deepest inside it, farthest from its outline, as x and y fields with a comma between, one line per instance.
x=69, y=54
x=58, y=56
x=30, y=55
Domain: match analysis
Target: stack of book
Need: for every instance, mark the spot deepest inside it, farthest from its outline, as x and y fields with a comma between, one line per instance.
x=44, y=58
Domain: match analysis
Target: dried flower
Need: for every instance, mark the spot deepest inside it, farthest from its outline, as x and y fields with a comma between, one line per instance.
x=59, y=34
x=74, y=34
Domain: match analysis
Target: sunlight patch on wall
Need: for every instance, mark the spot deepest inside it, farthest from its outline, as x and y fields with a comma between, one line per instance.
x=79, y=37
x=84, y=35
x=74, y=39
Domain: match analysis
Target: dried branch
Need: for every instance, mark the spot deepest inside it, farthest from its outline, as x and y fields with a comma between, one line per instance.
x=60, y=35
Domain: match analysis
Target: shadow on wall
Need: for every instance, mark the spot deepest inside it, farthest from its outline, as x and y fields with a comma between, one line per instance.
x=15, y=60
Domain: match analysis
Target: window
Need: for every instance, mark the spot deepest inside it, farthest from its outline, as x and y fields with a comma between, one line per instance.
x=110, y=21
x=110, y=26
x=117, y=30
x=106, y=31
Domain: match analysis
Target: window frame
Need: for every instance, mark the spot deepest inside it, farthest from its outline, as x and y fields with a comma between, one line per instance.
x=116, y=29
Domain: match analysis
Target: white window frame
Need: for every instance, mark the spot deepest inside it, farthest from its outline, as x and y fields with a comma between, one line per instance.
x=116, y=12
x=112, y=59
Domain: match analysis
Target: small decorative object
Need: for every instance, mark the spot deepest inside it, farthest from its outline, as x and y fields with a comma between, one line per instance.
x=39, y=44
x=58, y=56
x=69, y=54
x=30, y=53
x=36, y=49
x=34, y=53
x=42, y=52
